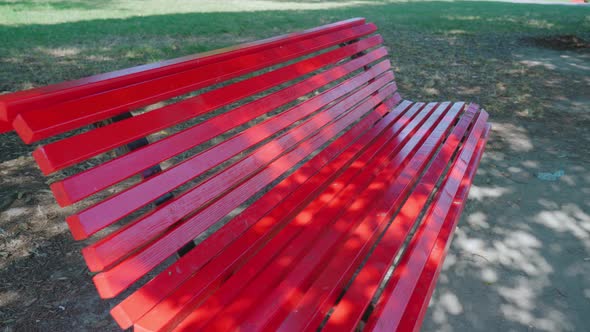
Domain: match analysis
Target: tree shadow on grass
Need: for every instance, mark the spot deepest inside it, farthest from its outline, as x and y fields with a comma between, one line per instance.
x=440, y=50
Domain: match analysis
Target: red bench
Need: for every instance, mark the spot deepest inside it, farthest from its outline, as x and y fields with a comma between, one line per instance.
x=289, y=181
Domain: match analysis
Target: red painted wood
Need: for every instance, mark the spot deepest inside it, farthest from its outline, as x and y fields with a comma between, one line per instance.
x=118, y=278
x=45, y=122
x=356, y=300
x=5, y=127
x=308, y=313
x=362, y=215
x=375, y=152
x=105, y=213
x=257, y=221
x=216, y=185
x=393, y=303
x=22, y=101
x=427, y=281
x=69, y=151
x=183, y=299
x=76, y=187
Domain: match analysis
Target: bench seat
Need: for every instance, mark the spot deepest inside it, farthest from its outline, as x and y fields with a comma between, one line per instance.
x=290, y=188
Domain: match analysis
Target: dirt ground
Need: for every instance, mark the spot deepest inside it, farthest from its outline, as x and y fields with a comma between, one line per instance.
x=520, y=258
x=519, y=261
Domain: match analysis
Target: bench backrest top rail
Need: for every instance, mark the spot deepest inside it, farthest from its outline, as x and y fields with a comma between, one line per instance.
x=13, y=104
x=36, y=117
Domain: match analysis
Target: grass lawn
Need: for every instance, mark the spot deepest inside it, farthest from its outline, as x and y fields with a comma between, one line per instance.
x=520, y=260
x=441, y=49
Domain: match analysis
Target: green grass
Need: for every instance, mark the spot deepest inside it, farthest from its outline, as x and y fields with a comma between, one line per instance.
x=445, y=50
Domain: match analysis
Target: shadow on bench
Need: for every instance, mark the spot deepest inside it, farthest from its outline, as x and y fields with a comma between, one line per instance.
x=291, y=176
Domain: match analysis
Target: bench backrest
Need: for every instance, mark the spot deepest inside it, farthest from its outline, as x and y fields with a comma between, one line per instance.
x=250, y=116
x=169, y=78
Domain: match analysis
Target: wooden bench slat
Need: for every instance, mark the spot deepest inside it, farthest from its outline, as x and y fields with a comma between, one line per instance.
x=107, y=212
x=166, y=312
x=388, y=190
x=357, y=298
x=161, y=313
x=122, y=275
x=69, y=151
x=302, y=312
x=258, y=221
x=23, y=101
x=115, y=246
x=394, y=301
x=75, y=188
x=45, y=122
x=421, y=295
x=340, y=269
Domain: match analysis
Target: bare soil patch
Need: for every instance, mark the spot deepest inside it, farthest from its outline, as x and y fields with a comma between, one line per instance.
x=562, y=43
